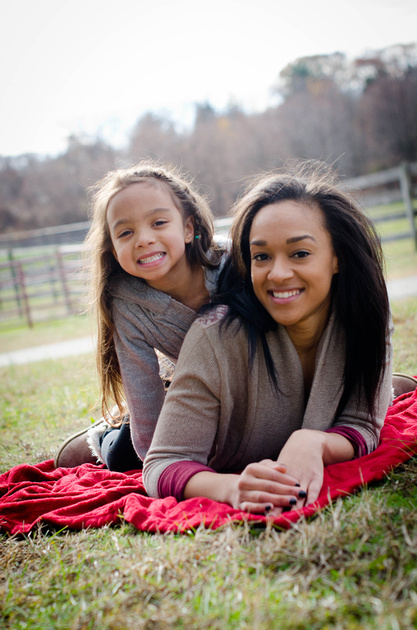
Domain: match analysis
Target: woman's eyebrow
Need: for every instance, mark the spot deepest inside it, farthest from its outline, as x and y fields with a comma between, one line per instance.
x=295, y=239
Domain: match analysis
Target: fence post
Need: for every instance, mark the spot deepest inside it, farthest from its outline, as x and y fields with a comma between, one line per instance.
x=25, y=300
x=65, y=289
x=15, y=282
x=406, y=191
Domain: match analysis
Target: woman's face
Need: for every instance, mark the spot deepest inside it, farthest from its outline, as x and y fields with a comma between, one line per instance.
x=292, y=265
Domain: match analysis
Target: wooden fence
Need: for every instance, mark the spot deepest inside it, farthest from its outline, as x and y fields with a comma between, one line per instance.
x=40, y=287
x=385, y=187
x=41, y=283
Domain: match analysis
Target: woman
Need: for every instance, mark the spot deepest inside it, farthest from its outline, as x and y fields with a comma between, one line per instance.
x=295, y=372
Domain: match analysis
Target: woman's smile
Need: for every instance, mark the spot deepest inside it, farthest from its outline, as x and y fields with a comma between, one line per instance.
x=293, y=264
x=283, y=296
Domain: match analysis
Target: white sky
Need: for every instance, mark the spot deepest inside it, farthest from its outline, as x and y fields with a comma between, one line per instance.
x=95, y=66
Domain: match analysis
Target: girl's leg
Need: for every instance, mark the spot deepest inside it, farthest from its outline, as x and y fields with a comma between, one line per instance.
x=117, y=449
x=100, y=444
x=403, y=383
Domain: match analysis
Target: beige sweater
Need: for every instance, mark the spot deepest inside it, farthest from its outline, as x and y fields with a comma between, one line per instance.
x=221, y=413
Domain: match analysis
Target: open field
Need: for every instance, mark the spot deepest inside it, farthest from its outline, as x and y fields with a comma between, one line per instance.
x=353, y=566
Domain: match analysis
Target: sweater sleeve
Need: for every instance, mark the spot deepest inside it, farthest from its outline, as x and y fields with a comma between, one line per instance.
x=355, y=416
x=175, y=477
x=355, y=438
x=189, y=420
x=142, y=384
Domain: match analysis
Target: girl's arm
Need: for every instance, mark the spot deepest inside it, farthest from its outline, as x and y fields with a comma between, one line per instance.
x=143, y=388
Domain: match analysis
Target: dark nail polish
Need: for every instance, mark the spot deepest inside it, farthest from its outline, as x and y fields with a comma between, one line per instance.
x=298, y=485
x=302, y=494
x=267, y=509
x=292, y=501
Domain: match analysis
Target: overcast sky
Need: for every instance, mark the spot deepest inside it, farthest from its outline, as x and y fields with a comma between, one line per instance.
x=95, y=66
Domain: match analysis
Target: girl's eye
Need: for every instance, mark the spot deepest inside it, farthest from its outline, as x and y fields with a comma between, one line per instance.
x=301, y=254
x=160, y=223
x=260, y=257
x=124, y=233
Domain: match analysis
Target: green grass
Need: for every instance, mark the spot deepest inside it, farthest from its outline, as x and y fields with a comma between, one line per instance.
x=400, y=255
x=20, y=336
x=352, y=566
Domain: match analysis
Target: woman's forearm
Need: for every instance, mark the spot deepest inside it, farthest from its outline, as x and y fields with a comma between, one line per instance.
x=212, y=485
x=336, y=449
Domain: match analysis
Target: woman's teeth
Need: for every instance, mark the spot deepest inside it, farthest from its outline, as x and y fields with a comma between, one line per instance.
x=285, y=294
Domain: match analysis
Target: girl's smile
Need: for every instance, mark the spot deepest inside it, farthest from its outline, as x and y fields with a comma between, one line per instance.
x=149, y=234
x=293, y=264
x=151, y=259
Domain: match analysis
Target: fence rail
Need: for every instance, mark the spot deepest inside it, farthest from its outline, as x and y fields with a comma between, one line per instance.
x=41, y=287
x=45, y=282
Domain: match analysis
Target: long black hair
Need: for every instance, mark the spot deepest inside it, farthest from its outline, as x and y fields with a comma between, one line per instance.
x=359, y=293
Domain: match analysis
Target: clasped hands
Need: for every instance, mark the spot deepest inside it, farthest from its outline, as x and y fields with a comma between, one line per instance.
x=294, y=480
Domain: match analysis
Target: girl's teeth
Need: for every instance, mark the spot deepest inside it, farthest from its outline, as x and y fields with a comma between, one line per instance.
x=285, y=294
x=151, y=258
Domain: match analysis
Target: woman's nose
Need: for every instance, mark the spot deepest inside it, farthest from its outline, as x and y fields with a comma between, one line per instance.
x=281, y=270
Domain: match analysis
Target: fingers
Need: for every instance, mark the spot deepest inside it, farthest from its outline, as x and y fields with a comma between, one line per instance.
x=265, y=486
x=313, y=491
x=280, y=505
x=264, y=478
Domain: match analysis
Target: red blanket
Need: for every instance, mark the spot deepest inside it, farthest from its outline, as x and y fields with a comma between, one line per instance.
x=92, y=496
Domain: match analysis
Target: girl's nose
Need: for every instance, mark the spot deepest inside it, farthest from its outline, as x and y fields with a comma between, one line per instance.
x=281, y=270
x=144, y=237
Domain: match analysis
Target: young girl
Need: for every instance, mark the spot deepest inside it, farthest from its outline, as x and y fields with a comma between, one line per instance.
x=153, y=265
x=295, y=372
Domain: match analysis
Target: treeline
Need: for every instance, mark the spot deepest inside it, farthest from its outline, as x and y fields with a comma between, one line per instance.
x=359, y=115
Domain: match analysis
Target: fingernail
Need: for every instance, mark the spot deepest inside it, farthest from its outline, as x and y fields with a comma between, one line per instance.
x=268, y=508
x=298, y=485
x=292, y=501
x=302, y=494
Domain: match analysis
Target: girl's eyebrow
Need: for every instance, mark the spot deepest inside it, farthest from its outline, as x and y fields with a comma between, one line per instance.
x=293, y=239
x=148, y=214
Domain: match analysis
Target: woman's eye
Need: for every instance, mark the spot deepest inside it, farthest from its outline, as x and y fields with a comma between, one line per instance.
x=301, y=254
x=260, y=257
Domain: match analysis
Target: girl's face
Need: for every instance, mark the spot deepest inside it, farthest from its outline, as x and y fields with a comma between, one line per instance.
x=292, y=265
x=148, y=233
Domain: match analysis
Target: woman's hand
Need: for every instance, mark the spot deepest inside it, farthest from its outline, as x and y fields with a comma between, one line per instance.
x=267, y=486
x=264, y=486
x=305, y=454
